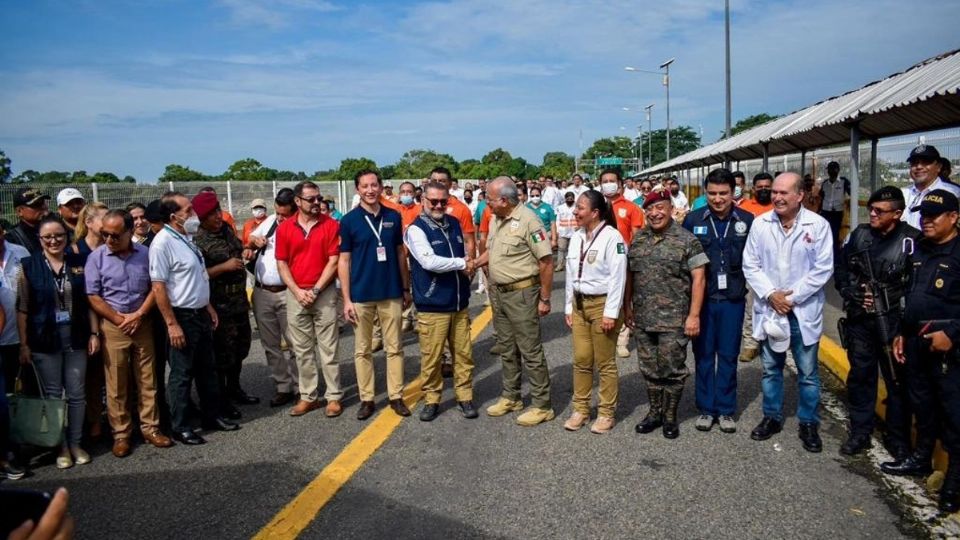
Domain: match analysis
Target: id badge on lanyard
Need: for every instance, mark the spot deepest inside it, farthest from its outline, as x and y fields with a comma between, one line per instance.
x=722, y=275
x=381, y=250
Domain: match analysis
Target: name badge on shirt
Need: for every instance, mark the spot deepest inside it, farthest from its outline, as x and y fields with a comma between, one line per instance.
x=722, y=282
x=381, y=254
x=63, y=317
x=700, y=230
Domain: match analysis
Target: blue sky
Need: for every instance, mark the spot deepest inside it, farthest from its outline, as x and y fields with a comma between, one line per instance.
x=129, y=86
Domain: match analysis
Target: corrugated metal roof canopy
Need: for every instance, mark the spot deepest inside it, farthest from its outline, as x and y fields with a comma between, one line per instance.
x=922, y=98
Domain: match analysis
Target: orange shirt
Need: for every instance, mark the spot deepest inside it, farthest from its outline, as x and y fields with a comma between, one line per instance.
x=485, y=220
x=388, y=203
x=228, y=218
x=248, y=227
x=409, y=213
x=755, y=208
x=461, y=213
x=629, y=217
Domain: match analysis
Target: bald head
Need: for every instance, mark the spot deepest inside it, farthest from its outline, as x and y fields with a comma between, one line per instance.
x=787, y=194
x=789, y=180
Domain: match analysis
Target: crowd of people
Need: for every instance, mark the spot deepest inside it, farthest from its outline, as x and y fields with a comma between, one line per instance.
x=142, y=304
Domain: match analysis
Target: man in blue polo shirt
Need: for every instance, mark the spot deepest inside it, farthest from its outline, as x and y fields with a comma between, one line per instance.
x=722, y=229
x=375, y=281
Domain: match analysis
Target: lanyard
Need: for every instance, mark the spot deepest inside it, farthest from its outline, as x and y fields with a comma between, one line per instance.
x=193, y=248
x=720, y=238
x=376, y=232
x=60, y=280
x=583, y=251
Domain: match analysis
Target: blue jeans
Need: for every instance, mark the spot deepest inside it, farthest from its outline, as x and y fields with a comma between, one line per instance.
x=808, y=378
x=716, y=350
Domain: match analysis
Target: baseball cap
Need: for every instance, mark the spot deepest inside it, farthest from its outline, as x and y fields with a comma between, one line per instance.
x=28, y=196
x=937, y=202
x=68, y=194
x=923, y=151
x=777, y=329
x=886, y=193
x=257, y=203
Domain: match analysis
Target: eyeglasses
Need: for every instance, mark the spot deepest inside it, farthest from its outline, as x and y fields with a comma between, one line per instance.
x=311, y=200
x=112, y=236
x=56, y=237
x=436, y=202
x=879, y=211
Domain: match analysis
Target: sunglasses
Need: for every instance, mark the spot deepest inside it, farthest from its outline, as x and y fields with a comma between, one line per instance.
x=311, y=200
x=437, y=202
x=112, y=236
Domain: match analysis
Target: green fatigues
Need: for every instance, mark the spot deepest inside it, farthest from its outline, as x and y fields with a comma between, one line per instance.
x=228, y=295
x=516, y=245
x=660, y=266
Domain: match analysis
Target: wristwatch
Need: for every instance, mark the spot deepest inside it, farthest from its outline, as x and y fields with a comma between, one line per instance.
x=547, y=301
x=317, y=291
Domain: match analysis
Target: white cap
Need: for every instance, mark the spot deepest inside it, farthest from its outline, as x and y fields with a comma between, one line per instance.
x=777, y=328
x=68, y=194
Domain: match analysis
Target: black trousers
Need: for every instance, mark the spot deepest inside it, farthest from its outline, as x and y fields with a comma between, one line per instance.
x=933, y=383
x=194, y=362
x=865, y=354
x=835, y=219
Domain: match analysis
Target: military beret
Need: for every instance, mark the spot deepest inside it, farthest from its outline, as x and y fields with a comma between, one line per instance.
x=204, y=204
x=656, y=196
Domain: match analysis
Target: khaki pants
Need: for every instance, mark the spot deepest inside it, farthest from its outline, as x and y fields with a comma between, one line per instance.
x=314, y=339
x=389, y=312
x=561, y=256
x=125, y=356
x=748, y=341
x=594, y=348
x=436, y=331
x=517, y=324
x=270, y=312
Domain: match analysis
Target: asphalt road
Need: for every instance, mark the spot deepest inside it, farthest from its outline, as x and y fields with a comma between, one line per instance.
x=489, y=478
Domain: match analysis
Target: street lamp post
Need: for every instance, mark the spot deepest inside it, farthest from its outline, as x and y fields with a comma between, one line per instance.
x=649, y=135
x=666, y=82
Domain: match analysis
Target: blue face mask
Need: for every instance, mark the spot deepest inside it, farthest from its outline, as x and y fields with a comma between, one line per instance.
x=406, y=200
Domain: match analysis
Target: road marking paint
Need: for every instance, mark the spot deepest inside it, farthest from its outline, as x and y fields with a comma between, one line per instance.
x=300, y=512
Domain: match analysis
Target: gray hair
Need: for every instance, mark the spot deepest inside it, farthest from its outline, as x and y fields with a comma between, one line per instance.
x=506, y=188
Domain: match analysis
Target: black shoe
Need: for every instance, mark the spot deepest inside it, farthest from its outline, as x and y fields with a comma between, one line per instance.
x=242, y=398
x=671, y=430
x=649, y=423
x=467, y=409
x=188, y=437
x=949, y=502
x=916, y=464
x=281, y=398
x=366, y=410
x=220, y=424
x=767, y=428
x=230, y=412
x=855, y=444
x=810, y=437
x=429, y=412
x=399, y=407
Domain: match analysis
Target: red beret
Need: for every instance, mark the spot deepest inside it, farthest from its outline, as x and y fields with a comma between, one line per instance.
x=653, y=196
x=205, y=204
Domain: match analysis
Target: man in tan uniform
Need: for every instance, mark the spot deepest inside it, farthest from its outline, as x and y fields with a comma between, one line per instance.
x=521, y=277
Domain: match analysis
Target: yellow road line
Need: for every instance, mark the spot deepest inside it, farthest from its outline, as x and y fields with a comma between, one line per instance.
x=298, y=513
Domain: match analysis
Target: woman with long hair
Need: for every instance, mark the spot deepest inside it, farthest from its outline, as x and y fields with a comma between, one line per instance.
x=57, y=330
x=597, y=266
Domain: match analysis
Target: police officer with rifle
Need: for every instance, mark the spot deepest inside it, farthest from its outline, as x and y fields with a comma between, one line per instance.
x=928, y=341
x=871, y=277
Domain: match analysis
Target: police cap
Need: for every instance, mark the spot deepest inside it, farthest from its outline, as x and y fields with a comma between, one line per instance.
x=924, y=151
x=886, y=193
x=937, y=202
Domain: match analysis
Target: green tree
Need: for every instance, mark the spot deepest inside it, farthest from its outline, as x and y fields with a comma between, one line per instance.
x=105, y=177
x=683, y=139
x=179, y=173
x=28, y=176
x=557, y=164
x=129, y=179
x=5, y=171
x=469, y=168
x=622, y=147
x=419, y=163
x=249, y=170
x=349, y=167
x=749, y=122
x=388, y=171
x=54, y=177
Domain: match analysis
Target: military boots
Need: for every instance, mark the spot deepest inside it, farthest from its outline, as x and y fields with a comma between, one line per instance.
x=671, y=428
x=654, y=418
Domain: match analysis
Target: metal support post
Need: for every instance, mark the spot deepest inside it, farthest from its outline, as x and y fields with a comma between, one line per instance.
x=874, y=181
x=854, y=176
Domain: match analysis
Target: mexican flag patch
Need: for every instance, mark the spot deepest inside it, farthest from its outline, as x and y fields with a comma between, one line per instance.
x=538, y=237
x=620, y=248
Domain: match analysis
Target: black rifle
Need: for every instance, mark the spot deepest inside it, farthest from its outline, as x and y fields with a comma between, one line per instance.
x=880, y=309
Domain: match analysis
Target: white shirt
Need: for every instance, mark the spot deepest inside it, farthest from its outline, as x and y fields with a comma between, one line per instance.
x=577, y=191
x=420, y=249
x=800, y=260
x=457, y=192
x=551, y=195
x=12, y=253
x=604, y=268
x=679, y=201
x=630, y=194
x=913, y=196
x=566, y=221
x=833, y=194
x=266, y=267
x=355, y=202
x=178, y=263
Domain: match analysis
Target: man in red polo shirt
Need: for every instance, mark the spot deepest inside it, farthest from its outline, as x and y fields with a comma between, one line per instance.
x=308, y=250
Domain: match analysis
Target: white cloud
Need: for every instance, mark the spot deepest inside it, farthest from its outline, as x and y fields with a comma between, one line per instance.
x=273, y=14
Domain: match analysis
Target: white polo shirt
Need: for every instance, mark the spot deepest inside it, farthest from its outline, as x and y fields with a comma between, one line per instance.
x=10, y=275
x=178, y=263
x=604, y=268
x=913, y=196
x=266, y=268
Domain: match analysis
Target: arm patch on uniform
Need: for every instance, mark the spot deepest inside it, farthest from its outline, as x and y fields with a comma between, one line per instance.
x=538, y=236
x=621, y=249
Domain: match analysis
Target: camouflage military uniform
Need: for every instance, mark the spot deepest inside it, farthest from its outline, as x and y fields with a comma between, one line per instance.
x=228, y=294
x=660, y=265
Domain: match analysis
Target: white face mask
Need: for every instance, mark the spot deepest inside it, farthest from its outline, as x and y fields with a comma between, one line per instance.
x=191, y=225
x=406, y=200
x=259, y=213
x=608, y=188
x=737, y=192
x=535, y=200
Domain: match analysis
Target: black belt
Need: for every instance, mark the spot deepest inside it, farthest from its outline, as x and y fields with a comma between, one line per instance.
x=579, y=297
x=271, y=288
x=189, y=311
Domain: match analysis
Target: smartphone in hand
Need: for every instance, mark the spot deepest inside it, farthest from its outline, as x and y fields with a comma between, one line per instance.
x=19, y=505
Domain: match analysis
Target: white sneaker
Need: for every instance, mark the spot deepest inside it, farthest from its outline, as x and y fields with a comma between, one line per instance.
x=728, y=424
x=704, y=422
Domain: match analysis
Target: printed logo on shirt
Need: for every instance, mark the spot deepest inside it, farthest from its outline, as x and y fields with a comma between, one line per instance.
x=387, y=224
x=740, y=228
x=538, y=237
x=514, y=225
x=592, y=256
x=807, y=238
x=622, y=212
x=621, y=249
x=700, y=230
x=939, y=283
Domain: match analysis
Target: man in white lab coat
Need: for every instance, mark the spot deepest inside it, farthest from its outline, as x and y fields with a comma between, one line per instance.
x=787, y=261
